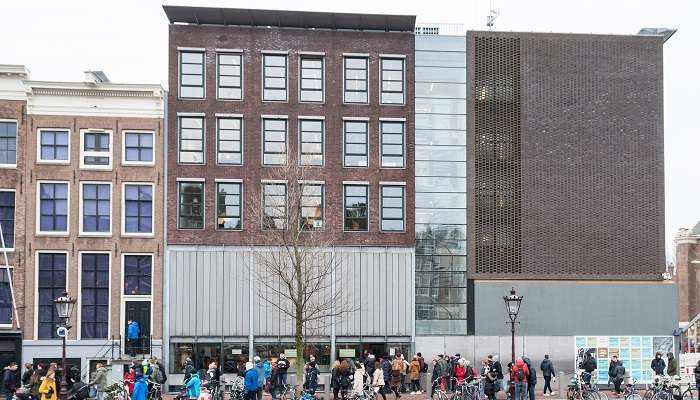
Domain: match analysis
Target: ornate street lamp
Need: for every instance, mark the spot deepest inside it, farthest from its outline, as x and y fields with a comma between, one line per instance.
x=64, y=309
x=512, y=302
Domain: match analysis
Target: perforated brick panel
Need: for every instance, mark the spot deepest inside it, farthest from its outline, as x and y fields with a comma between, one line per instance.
x=580, y=129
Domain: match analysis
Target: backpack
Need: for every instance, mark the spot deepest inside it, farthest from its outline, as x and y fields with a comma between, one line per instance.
x=158, y=374
x=520, y=374
x=423, y=367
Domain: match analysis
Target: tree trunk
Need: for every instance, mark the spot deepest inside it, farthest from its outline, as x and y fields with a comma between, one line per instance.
x=299, y=322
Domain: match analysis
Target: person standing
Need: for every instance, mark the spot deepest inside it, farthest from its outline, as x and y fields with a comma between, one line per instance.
x=616, y=372
x=519, y=376
x=344, y=378
x=194, y=386
x=188, y=369
x=250, y=382
x=99, y=380
x=414, y=375
x=9, y=380
x=312, y=378
x=423, y=371
x=696, y=372
x=260, y=374
x=588, y=365
x=672, y=369
x=496, y=366
x=378, y=382
x=27, y=375
x=444, y=368
x=531, y=379
x=129, y=379
x=141, y=385
x=658, y=364
x=547, y=368
x=460, y=372
x=335, y=379
x=358, y=380
x=283, y=368
x=397, y=373
x=47, y=389
x=133, y=331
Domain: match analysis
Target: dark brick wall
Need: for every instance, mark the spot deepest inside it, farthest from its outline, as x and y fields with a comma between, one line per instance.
x=591, y=156
x=253, y=41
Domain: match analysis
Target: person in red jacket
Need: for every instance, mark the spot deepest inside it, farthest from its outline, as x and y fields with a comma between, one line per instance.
x=519, y=376
x=129, y=376
x=460, y=371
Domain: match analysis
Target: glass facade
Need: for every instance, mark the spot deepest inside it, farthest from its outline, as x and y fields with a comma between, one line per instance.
x=441, y=183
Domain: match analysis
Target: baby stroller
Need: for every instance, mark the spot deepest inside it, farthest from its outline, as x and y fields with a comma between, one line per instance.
x=79, y=391
x=23, y=393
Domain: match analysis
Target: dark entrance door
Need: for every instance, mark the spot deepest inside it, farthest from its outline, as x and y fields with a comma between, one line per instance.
x=139, y=311
x=10, y=349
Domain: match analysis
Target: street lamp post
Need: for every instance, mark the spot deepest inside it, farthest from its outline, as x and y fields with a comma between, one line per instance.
x=64, y=309
x=512, y=302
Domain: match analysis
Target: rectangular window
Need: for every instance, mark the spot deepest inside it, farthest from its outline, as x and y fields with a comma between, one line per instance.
x=228, y=206
x=8, y=143
x=138, y=148
x=138, y=209
x=6, y=309
x=192, y=75
x=355, y=213
x=94, y=295
x=96, y=208
x=311, y=79
x=96, y=150
x=7, y=218
x=191, y=139
x=392, y=208
x=274, y=77
x=229, y=146
x=274, y=206
x=355, y=144
x=311, y=134
x=229, y=76
x=393, y=144
x=191, y=205
x=311, y=206
x=138, y=269
x=392, y=81
x=50, y=285
x=274, y=141
x=53, y=207
x=54, y=145
x=355, y=79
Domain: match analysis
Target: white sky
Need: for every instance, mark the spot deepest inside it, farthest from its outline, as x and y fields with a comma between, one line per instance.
x=58, y=39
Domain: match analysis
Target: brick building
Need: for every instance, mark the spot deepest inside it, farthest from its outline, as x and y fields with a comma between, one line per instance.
x=687, y=277
x=253, y=91
x=94, y=194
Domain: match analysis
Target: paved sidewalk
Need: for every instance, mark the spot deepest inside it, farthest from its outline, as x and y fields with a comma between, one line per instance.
x=501, y=396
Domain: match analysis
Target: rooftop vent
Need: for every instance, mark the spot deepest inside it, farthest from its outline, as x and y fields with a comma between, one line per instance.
x=96, y=77
x=666, y=33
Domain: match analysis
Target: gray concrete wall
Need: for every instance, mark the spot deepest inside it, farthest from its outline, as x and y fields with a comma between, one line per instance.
x=562, y=308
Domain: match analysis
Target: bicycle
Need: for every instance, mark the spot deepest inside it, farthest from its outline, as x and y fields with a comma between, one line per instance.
x=214, y=388
x=579, y=390
x=287, y=393
x=235, y=389
x=117, y=391
x=438, y=390
x=630, y=392
x=659, y=391
x=678, y=393
x=156, y=392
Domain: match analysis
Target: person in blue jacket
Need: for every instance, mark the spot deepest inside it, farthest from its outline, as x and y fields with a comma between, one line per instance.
x=250, y=381
x=193, y=386
x=140, y=386
x=133, y=332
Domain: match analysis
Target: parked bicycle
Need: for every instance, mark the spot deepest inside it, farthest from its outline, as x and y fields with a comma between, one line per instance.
x=630, y=392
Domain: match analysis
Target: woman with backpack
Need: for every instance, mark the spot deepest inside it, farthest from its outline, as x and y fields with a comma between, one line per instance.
x=414, y=375
x=397, y=374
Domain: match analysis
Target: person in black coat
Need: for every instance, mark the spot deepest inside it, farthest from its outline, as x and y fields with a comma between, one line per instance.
x=658, y=364
x=9, y=380
x=531, y=379
x=27, y=375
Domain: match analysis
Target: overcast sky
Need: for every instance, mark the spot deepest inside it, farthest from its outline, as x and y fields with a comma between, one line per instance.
x=58, y=39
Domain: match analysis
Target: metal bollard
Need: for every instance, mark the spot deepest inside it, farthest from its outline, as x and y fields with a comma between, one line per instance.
x=562, y=391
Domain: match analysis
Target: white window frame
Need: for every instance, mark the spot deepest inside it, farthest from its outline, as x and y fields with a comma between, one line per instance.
x=201, y=50
x=383, y=57
x=262, y=139
x=204, y=202
x=264, y=53
x=39, y=160
x=37, y=218
x=153, y=210
x=237, y=52
x=84, y=153
x=204, y=137
x=381, y=138
x=322, y=119
x=80, y=209
x=138, y=163
x=36, y=286
x=357, y=55
x=12, y=166
x=12, y=277
x=11, y=249
x=312, y=55
x=137, y=297
x=79, y=303
x=369, y=144
x=216, y=205
x=220, y=116
x=381, y=205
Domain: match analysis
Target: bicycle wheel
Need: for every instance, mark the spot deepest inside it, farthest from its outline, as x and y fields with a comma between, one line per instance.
x=663, y=395
x=649, y=394
x=602, y=395
x=688, y=394
x=441, y=395
x=633, y=396
x=571, y=394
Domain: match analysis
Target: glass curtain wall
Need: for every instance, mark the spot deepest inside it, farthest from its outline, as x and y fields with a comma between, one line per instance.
x=441, y=185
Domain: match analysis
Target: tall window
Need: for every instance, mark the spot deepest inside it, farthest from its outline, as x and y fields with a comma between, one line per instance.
x=274, y=206
x=311, y=206
x=274, y=77
x=191, y=205
x=7, y=218
x=392, y=208
x=311, y=142
x=96, y=208
x=274, y=141
x=96, y=150
x=138, y=209
x=8, y=142
x=51, y=285
x=355, y=144
x=138, y=270
x=355, y=80
x=228, y=206
x=94, y=296
x=53, y=207
x=192, y=75
x=191, y=140
x=5, y=296
x=138, y=148
x=393, y=144
x=54, y=145
x=392, y=89
x=355, y=213
x=229, y=149
x=229, y=77
x=311, y=79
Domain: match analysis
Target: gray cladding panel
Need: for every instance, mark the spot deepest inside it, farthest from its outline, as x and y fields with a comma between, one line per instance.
x=210, y=294
x=571, y=308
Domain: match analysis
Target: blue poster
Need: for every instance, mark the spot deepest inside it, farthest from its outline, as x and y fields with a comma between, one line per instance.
x=580, y=341
x=636, y=341
x=647, y=341
x=615, y=342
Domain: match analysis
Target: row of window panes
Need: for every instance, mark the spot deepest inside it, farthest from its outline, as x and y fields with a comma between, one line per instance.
x=229, y=202
x=275, y=73
x=94, y=289
x=96, y=208
x=275, y=139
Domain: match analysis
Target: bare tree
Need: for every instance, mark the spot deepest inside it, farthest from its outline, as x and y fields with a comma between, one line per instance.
x=296, y=271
